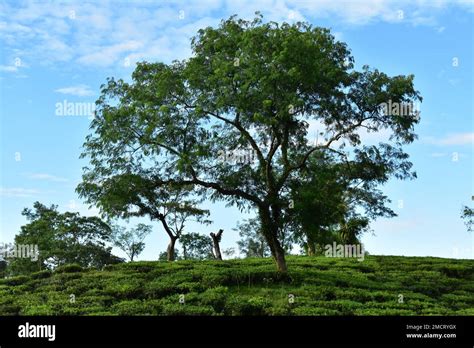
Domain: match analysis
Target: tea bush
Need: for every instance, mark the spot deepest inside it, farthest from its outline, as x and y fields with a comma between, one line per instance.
x=379, y=285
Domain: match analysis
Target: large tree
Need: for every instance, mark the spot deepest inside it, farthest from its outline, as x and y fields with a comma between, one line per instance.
x=248, y=87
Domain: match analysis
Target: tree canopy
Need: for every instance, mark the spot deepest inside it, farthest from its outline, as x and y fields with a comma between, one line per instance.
x=63, y=238
x=468, y=216
x=130, y=241
x=248, y=86
x=196, y=246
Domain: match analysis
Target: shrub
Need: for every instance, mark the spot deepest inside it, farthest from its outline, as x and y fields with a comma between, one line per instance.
x=305, y=311
x=40, y=309
x=124, y=290
x=253, y=306
x=136, y=307
x=185, y=309
x=14, y=281
x=248, y=287
x=10, y=309
x=70, y=268
x=41, y=274
x=215, y=297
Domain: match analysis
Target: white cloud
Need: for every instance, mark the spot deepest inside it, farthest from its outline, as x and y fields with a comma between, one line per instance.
x=8, y=68
x=72, y=205
x=451, y=139
x=104, y=34
x=353, y=12
x=338, y=35
x=458, y=139
x=14, y=67
x=78, y=90
x=43, y=176
x=454, y=82
x=106, y=56
x=17, y=192
x=438, y=154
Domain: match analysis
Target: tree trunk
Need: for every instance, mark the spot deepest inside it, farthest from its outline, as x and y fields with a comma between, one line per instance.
x=270, y=232
x=311, y=245
x=278, y=255
x=170, y=249
x=173, y=238
x=216, y=238
x=185, y=252
x=311, y=251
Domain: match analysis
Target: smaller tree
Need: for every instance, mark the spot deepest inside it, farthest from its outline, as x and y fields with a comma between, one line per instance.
x=468, y=215
x=130, y=241
x=252, y=242
x=334, y=202
x=62, y=238
x=229, y=252
x=176, y=210
x=163, y=256
x=196, y=246
x=133, y=195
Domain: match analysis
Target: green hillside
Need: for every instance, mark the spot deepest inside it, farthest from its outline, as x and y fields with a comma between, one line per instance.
x=315, y=286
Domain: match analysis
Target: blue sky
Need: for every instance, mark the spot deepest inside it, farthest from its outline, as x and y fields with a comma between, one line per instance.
x=59, y=52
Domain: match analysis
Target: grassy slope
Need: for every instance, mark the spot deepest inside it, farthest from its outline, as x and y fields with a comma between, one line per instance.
x=321, y=286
